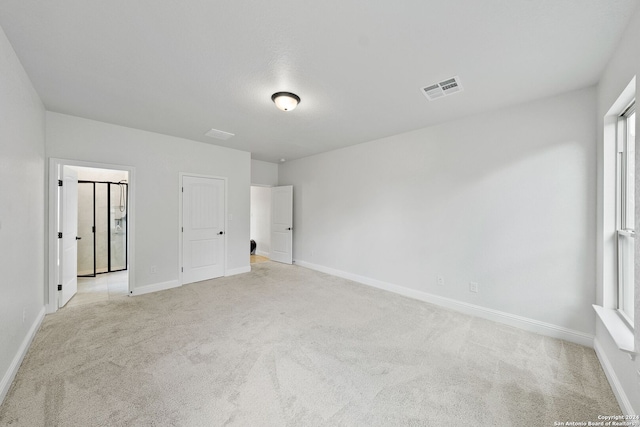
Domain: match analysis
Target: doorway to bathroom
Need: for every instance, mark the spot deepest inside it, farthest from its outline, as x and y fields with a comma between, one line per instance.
x=102, y=226
x=102, y=236
x=90, y=256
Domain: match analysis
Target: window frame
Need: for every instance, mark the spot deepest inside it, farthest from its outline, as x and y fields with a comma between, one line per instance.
x=625, y=221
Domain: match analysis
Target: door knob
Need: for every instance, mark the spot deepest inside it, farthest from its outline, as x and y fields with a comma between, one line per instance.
x=78, y=238
x=222, y=232
x=289, y=228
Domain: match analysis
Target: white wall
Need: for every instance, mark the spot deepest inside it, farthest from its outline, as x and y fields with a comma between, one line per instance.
x=506, y=199
x=261, y=219
x=158, y=160
x=264, y=173
x=22, y=135
x=623, y=66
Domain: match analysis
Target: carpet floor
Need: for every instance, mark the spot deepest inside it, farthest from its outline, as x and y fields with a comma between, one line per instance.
x=288, y=346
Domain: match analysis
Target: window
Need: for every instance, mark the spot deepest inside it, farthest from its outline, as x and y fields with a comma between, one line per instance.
x=625, y=206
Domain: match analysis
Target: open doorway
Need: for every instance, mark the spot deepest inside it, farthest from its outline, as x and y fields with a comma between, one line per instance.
x=271, y=226
x=101, y=235
x=260, y=225
x=90, y=219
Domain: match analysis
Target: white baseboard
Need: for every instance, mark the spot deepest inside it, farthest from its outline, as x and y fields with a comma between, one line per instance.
x=176, y=283
x=240, y=270
x=618, y=390
x=155, y=287
x=263, y=253
x=8, y=377
x=514, y=320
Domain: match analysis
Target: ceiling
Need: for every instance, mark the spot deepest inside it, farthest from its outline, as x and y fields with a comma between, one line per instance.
x=183, y=67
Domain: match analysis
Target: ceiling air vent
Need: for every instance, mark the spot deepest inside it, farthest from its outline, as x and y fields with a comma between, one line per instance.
x=443, y=88
x=215, y=133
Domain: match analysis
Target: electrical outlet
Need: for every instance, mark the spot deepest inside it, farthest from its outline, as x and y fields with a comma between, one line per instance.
x=24, y=315
x=440, y=280
x=154, y=269
x=473, y=287
x=638, y=374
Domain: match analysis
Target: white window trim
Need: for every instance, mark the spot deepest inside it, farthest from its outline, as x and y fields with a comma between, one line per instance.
x=619, y=330
x=622, y=228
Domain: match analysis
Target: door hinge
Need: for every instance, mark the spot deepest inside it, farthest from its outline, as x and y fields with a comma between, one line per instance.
x=59, y=287
x=182, y=269
x=93, y=229
x=59, y=235
x=183, y=189
x=59, y=183
x=182, y=229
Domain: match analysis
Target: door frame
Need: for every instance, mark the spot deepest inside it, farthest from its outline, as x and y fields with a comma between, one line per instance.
x=54, y=216
x=226, y=220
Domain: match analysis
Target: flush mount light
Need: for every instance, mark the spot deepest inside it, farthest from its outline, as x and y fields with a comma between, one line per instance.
x=286, y=101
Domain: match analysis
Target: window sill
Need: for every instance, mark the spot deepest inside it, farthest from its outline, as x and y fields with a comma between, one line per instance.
x=620, y=332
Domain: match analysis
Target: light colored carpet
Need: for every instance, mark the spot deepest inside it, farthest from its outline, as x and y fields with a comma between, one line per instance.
x=287, y=346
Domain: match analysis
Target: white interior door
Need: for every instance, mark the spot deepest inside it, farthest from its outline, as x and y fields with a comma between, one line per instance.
x=282, y=224
x=69, y=229
x=203, y=228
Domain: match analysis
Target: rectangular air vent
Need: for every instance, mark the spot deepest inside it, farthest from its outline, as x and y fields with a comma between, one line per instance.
x=219, y=134
x=443, y=88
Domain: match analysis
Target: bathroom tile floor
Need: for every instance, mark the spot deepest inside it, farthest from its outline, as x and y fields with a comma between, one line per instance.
x=103, y=287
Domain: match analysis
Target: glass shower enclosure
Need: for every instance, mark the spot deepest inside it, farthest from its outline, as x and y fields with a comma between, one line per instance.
x=102, y=227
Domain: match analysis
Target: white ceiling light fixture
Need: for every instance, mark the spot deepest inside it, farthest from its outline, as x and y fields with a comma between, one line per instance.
x=286, y=101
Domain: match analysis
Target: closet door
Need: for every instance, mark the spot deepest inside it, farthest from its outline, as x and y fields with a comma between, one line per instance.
x=203, y=228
